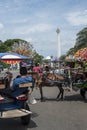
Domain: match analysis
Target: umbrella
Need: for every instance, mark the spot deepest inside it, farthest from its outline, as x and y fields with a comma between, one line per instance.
x=82, y=54
x=12, y=58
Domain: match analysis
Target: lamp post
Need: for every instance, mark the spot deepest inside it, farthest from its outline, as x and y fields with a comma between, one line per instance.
x=58, y=43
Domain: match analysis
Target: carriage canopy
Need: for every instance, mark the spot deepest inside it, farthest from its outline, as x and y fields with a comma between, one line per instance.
x=12, y=58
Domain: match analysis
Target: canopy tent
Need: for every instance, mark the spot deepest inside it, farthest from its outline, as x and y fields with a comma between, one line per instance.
x=48, y=58
x=12, y=58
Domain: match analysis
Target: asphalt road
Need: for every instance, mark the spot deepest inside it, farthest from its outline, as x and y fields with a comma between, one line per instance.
x=70, y=114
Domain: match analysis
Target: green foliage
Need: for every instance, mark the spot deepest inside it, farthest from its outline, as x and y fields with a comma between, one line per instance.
x=38, y=58
x=81, y=42
x=71, y=51
x=21, y=47
x=62, y=57
x=10, y=42
x=4, y=64
x=3, y=47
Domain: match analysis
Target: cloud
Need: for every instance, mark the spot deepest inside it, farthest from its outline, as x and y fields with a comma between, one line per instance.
x=1, y=26
x=77, y=18
x=19, y=21
x=29, y=39
x=42, y=27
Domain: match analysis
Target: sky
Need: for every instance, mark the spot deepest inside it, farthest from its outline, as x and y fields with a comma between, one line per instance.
x=36, y=21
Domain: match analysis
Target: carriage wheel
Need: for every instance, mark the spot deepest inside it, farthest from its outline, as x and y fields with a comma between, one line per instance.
x=25, y=120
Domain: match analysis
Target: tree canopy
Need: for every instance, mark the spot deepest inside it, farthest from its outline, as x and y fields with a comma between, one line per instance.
x=21, y=47
x=81, y=42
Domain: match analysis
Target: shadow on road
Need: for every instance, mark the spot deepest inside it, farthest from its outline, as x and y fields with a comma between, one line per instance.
x=76, y=97
x=34, y=115
x=15, y=124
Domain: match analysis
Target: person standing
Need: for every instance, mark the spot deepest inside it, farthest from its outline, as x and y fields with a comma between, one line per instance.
x=37, y=68
x=47, y=68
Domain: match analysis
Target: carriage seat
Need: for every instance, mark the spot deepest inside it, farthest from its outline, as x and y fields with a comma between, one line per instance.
x=23, y=85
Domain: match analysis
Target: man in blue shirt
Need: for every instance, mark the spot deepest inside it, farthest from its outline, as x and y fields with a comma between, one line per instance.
x=22, y=78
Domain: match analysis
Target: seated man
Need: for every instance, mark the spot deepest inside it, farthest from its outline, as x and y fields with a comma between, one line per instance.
x=23, y=78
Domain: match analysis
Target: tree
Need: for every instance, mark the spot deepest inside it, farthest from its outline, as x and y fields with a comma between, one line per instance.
x=81, y=40
x=3, y=47
x=19, y=46
x=62, y=57
x=22, y=47
x=71, y=51
x=38, y=58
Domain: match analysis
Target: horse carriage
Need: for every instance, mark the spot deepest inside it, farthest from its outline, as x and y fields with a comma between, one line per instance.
x=50, y=80
x=80, y=82
x=70, y=81
x=15, y=104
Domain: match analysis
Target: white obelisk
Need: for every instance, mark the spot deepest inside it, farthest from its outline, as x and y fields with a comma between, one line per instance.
x=58, y=43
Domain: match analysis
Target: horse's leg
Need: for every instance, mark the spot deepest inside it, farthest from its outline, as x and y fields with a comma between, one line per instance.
x=61, y=91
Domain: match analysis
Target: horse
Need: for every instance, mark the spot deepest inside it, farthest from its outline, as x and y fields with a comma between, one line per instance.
x=49, y=79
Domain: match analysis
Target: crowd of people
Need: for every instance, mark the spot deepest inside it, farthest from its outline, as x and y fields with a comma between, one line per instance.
x=24, y=77
x=12, y=85
x=40, y=69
